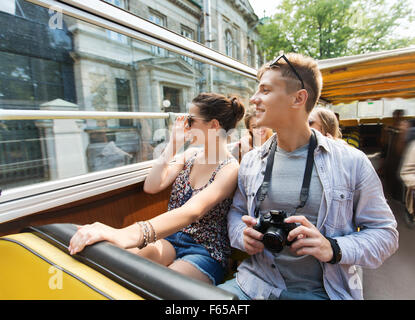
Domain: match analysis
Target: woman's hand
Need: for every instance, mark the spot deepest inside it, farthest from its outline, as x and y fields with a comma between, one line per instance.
x=90, y=234
x=86, y=235
x=180, y=132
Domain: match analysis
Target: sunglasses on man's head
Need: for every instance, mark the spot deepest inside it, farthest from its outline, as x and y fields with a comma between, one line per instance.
x=275, y=61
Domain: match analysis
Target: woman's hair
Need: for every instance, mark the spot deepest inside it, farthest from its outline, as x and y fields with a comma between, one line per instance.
x=307, y=68
x=329, y=121
x=249, y=114
x=228, y=111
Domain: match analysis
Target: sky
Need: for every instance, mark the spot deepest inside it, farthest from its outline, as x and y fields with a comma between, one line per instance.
x=270, y=8
x=260, y=5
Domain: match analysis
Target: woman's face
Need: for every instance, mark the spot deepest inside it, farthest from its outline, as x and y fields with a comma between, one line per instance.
x=202, y=131
x=260, y=134
x=315, y=122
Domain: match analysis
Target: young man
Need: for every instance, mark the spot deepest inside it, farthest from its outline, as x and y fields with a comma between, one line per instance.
x=344, y=221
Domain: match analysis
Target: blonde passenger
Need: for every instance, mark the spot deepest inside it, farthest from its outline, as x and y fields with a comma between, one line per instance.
x=325, y=121
x=191, y=237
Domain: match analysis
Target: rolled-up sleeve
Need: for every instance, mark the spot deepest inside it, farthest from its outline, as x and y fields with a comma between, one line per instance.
x=378, y=238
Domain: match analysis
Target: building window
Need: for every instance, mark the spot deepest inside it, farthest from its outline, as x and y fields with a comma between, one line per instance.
x=188, y=33
x=236, y=46
x=160, y=20
x=249, y=56
x=228, y=43
x=32, y=80
x=157, y=18
x=174, y=96
x=124, y=100
x=112, y=34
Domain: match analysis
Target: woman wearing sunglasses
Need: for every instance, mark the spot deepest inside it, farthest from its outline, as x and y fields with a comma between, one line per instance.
x=191, y=237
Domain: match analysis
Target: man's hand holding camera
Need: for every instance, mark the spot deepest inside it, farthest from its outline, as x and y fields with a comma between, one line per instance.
x=252, y=238
x=306, y=238
x=311, y=242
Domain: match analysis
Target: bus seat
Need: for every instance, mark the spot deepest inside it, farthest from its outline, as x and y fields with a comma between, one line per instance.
x=36, y=264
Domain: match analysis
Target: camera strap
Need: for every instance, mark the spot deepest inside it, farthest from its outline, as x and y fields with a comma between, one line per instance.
x=305, y=188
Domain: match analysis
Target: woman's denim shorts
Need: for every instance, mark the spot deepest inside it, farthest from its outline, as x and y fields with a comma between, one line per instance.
x=196, y=254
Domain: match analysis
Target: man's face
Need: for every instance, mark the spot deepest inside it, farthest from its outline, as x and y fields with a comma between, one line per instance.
x=272, y=101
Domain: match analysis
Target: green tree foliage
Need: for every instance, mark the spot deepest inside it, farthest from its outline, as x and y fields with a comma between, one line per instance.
x=333, y=28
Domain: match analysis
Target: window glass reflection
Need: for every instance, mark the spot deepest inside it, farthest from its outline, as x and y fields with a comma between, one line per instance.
x=78, y=67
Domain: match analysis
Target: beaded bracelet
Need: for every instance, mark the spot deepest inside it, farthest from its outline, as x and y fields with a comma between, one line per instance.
x=145, y=230
x=144, y=243
x=152, y=229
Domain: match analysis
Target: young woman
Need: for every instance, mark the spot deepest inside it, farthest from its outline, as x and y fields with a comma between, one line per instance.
x=256, y=138
x=191, y=237
x=325, y=121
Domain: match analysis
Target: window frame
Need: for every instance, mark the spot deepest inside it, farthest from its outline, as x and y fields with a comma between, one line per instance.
x=228, y=43
x=115, y=36
x=22, y=201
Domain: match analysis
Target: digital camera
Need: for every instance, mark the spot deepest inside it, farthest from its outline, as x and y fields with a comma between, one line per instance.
x=275, y=230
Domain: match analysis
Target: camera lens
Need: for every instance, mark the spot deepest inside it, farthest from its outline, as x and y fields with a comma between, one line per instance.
x=274, y=239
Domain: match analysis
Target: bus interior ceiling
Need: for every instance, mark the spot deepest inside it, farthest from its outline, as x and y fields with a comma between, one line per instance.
x=363, y=80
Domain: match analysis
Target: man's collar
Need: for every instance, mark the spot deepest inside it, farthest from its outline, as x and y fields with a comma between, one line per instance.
x=266, y=146
x=321, y=142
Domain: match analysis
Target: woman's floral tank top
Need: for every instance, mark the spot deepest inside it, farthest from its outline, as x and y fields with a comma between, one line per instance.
x=211, y=230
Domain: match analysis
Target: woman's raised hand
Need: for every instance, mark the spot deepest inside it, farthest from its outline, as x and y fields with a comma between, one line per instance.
x=180, y=132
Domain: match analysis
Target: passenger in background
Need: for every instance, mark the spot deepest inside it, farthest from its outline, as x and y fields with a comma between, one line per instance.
x=393, y=142
x=408, y=177
x=191, y=237
x=325, y=121
x=407, y=173
x=256, y=137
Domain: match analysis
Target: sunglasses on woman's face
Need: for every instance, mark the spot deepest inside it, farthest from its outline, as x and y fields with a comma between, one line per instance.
x=191, y=119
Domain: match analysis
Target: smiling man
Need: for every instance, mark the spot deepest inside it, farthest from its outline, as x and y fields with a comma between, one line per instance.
x=329, y=190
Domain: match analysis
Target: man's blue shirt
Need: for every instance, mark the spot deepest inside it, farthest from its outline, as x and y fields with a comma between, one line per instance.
x=352, y=197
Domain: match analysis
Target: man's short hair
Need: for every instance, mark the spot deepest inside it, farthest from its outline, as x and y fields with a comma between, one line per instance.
x=308, y=70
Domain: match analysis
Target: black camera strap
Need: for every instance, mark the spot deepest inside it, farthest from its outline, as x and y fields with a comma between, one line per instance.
x=305, y=188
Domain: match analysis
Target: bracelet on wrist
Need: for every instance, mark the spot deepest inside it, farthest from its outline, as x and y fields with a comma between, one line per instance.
x=148, y=233
x=153, y=232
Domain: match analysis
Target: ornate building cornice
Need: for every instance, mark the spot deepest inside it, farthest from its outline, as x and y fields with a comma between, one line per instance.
x=185, y=7
x=245, y=10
